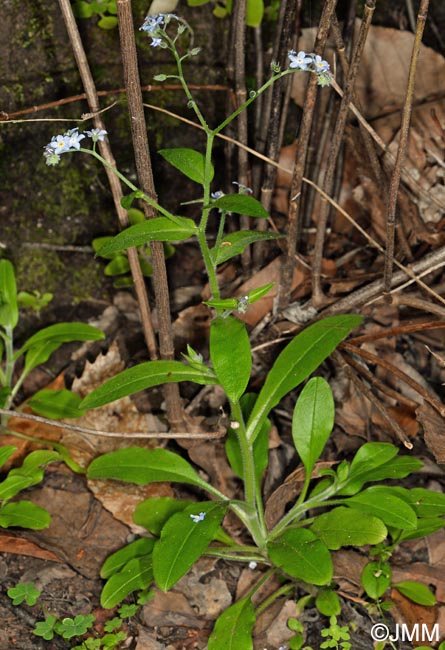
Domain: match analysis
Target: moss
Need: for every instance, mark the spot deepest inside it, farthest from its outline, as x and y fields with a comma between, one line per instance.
x=70, y=282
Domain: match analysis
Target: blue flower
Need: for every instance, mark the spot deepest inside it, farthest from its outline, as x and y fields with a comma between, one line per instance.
x=217, y=195
x=199, y=517
x=96, y=134
x=52, y=158
x=320, y=65
x=300, y=60
x=74, y=138
x=156, y=42
x=152, y=23
x=59, y=143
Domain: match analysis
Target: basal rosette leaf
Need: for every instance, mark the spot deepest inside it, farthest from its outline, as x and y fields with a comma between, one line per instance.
x=348, y=527
x=184, y=538
x=303, y=555
x=233, y=628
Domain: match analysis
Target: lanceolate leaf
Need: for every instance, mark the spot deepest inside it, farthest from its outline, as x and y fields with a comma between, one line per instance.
x=302, y=555
x=9, y=313
x=233, y=628
x=235, y=243
x=417, y=592
x=145, y=375
x=380, y=502
x=255, y=11
x=241, y=204
x=347, y=527
x=152, y=513
x=157, y=229
x=313, y=421
x=56, y=404
x=184, y=539
x=24, y=514
x=136, y=574
x=62, y=333
x=117, y=561
x=142, y=466
x=5, y=452
x=190, y=162
x=231, y=356
x=297, y=361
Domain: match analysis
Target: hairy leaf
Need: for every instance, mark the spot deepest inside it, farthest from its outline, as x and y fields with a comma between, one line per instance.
x=233, y=628
x=231, y=356
x=301, y=554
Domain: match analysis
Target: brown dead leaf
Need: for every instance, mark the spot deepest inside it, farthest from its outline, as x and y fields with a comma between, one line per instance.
x=433, y=430
x=20, y=546
x=270, y=273
x=409, y=613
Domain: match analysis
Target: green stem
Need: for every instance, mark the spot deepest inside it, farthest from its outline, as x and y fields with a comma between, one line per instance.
x=230, y=554
x=251, y=99
x=252, y=497
x=282, y=591
x=132, y=187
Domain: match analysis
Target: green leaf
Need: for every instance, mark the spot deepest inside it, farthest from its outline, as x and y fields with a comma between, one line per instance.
x=347, y=527
x=426, y=503
x=145, y=375
x=45, y=628
x=62, y=333
x=424, y=528
x=190, y=162
x=375, y=461
x=241, y=204
x=184, y=539
x=196, y=3
x=142, y=466
x=302, y=555
x=108, y=22
x=6, y=452
x=56, y=404
x=328, y=603
x=417, y=592
x=39, y=354
x=135, y=575
x=153, y=513
x=117, y=561
x=157, y=229
x=119, y=265
x=127, y=201
x=233, y=628
x=234, y=243
x=24, y=514
x=380, y=502
x=24, y=592
x=313, y=421
x=297, y=361
x=9, y=313
x=376, y=578
x=69, y=627
x=255, y=12
x=82, y=9
x=230, y=355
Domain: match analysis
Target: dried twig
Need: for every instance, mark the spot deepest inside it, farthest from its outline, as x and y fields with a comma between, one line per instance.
x=207, y=435
x=284, y=289
x=373, y=358
x=336, y=142
x=116, y=190
x=376, y=403
x=401, y=150
x=145, y=176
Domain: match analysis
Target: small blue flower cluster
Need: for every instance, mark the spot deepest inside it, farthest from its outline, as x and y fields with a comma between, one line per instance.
x=199, y=517
x=69, y=141
x=155, y=26
x=313, y=63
